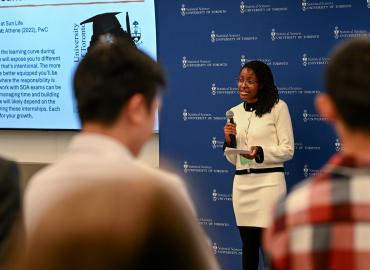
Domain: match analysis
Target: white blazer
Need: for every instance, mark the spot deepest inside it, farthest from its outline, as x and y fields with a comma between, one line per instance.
x=273, y=132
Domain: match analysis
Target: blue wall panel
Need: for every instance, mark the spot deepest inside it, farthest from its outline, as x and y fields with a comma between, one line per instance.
x=202, y=45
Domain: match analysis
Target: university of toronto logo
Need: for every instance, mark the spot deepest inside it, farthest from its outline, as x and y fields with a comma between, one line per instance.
x=338, y=145
x=304, y=5
x=304, y=59
x=214, y=195
x=185, y=115
x=215, y=248
x=136, y=33
x=214, y=142
x=213, y=36
x=242, y=7
x=184, y=61
x=183, y=9
x=186, y=166
x=336, y=32
x=243, y=60
x=305, y=170
x=213, y=89
x=305, y=115
x=273, y=34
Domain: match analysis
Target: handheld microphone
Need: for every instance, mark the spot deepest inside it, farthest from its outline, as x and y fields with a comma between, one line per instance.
x=230, y=119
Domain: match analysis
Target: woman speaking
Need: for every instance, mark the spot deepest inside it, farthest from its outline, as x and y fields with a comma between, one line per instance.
x=261, y=124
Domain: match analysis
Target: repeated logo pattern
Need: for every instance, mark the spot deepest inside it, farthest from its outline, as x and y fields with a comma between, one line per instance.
x=213, y=41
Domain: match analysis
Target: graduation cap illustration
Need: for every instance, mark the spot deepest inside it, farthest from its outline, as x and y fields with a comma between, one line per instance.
x=108, y=23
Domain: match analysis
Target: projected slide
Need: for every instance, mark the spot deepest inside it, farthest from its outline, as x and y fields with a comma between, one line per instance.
x=40, y=49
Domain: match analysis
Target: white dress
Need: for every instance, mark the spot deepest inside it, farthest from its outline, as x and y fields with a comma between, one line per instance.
x=255, y=194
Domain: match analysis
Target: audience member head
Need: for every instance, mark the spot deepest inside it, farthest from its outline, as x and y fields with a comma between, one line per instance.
x=346, y=102
x=117, y=90
x=112, y=226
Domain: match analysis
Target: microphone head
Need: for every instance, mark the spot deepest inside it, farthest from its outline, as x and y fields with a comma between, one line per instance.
x=229, y=114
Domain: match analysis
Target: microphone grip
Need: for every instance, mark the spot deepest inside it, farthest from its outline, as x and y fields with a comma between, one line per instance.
x=232, y=136
x=232, y=141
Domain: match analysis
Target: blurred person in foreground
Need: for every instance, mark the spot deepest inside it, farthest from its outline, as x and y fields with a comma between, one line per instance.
x=10, y=204
x=324, y=223
x=112, y=225
x=117, y=89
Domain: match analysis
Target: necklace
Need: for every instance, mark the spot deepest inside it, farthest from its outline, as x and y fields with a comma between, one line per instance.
x=249, y=107
x=247, y=130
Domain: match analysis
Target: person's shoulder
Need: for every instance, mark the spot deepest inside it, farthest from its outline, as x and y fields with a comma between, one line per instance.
x=300, y=199
x=39, y=180
x=171, y=182
x=299, y=188
x=156, y=173
x=297, y=200
x=281, y=107
x=51, y=176
x=237, y=108
x=281, y=104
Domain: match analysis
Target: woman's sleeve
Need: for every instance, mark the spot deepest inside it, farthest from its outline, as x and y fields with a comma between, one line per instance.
x=284, y=150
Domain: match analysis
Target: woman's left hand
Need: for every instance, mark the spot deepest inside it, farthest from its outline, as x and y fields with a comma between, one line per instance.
x=253, y=153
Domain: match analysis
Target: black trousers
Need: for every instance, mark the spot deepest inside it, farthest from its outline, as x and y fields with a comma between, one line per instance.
x=251, y=238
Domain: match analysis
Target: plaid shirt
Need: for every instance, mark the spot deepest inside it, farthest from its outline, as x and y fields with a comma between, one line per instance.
x=324, y=223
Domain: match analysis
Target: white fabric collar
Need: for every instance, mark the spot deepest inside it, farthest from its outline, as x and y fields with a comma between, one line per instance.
x=98, y=142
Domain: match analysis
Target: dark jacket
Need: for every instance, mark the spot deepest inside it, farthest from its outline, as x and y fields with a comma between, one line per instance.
x=10, y=202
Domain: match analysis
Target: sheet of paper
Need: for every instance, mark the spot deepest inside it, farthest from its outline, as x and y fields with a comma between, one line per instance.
x=229, y=150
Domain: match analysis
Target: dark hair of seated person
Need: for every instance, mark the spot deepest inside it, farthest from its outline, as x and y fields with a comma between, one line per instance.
x=10, y=204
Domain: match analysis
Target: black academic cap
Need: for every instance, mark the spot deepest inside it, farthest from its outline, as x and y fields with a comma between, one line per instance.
x=107, y=23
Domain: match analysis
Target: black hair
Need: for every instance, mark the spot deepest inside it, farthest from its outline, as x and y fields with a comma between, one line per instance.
x=112, y=72
x=268, y=94
x=347, y=82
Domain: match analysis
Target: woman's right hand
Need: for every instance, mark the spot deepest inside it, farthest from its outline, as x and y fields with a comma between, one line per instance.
x=229, y=129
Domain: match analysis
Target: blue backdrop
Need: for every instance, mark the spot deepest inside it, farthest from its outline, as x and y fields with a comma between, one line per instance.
x=202, y=45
